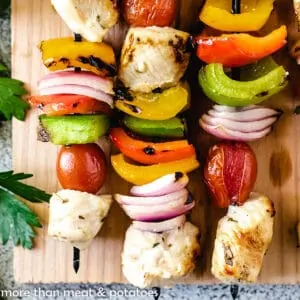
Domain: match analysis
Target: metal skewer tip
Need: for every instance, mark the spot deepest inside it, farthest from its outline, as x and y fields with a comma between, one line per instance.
x=234, y=291
x=76, y=259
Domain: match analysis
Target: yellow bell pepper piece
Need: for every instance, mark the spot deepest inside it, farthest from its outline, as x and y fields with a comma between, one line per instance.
x=62, y=53
x=254, y=14
x=157, y=106
x=140, y=175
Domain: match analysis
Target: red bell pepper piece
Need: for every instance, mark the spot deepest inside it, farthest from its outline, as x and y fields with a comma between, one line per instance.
x=59, y=105
x=239, y=49
x=150, y=153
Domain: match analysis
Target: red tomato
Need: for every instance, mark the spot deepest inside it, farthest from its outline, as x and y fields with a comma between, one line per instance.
x=82, y=168
x=149, y=12
x=59, y=105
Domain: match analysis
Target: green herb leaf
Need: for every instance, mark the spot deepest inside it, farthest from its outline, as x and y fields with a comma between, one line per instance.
x=10, y=182
x=4, y=4
x=16, y=221
x=11, y=92
x=3, y=69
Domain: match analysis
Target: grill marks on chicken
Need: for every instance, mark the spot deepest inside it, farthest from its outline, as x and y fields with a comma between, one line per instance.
x=153, y=58
x=152, y=259
x=243, y=237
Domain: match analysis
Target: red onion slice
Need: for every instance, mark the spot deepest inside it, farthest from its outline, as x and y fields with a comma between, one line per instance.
x=227, y=134
x=158, y=212
x=78, y=78
x=255, y=114
x=181, y=195
x=78, y=90
x=239, y=126
x=162, y=186
x=160, y=226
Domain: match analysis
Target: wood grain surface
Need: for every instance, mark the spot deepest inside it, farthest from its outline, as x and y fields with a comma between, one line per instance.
x=278, y=160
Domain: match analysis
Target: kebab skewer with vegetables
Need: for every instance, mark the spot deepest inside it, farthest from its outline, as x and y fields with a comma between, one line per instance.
x=244, y=234
x=153, y=62
x=77, y=101
x=155, y=156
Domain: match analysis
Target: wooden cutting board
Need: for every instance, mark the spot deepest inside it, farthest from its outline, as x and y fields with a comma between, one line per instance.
x=278, y=159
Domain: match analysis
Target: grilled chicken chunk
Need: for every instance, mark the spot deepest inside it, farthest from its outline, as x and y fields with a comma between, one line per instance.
x=77, y=217
x=243, y=237
x=297, y=10
x=294, y=34
x=90, y=18
x=150, y=259
x=153, y=57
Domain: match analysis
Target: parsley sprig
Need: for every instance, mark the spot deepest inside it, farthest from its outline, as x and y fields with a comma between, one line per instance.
x=11, y=92
x=4, y=4
x=16, y=219
x=10, y=182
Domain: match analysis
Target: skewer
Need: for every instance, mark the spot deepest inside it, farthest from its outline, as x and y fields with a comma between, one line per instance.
x=157, y=292
x=77, y=37
x=236, y=9
x=234, y=291
x=76, y=251
x=76, y=259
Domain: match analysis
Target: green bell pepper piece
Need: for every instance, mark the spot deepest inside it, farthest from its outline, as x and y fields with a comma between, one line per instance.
x=68, y=130
x=174, y=127
x=223, y=90
x=258, y=69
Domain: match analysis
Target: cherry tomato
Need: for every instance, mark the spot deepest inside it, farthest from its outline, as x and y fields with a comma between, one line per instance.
x=149, y=12
x=82, y=168
x=230, y=173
